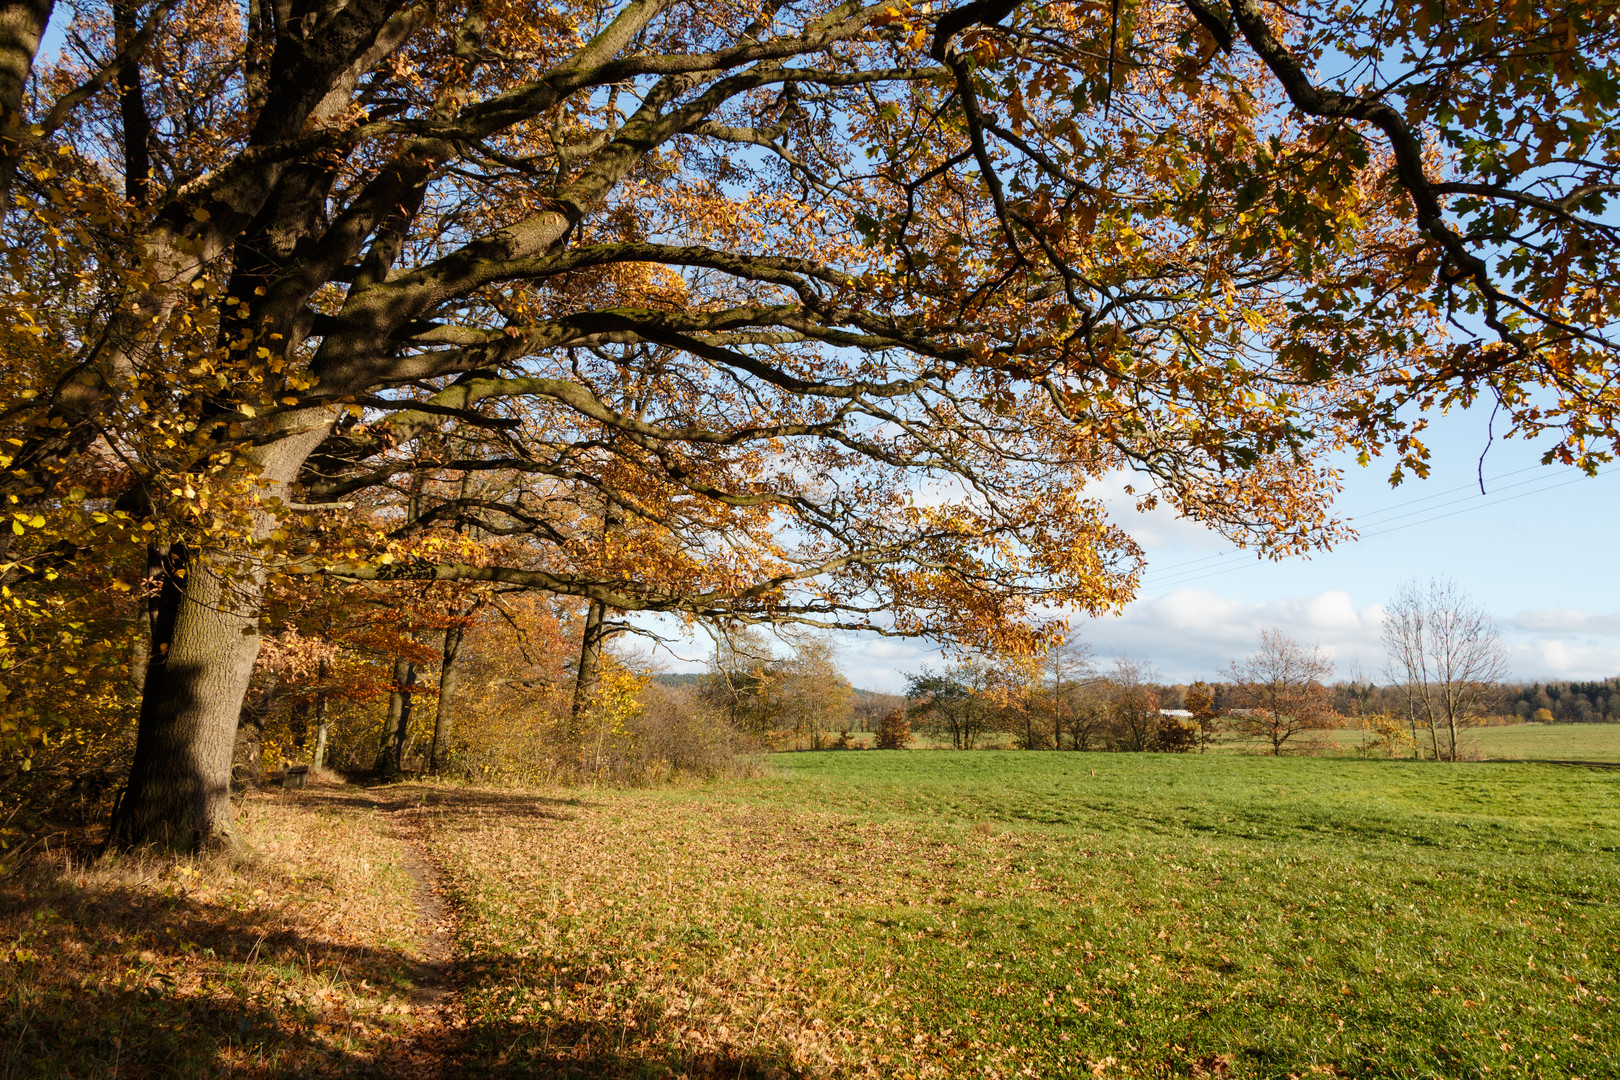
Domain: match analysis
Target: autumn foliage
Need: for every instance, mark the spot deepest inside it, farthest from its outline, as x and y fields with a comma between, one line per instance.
x=894, y=733
x=811, y=314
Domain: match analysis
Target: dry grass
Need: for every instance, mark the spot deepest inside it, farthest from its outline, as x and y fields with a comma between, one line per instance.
x=625, y=934
x=294, y=956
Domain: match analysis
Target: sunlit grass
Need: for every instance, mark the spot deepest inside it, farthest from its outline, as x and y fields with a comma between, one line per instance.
x=1040, y=914
x=895, y=914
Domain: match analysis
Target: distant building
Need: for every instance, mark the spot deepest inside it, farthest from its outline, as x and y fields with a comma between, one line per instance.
x=1176, y=714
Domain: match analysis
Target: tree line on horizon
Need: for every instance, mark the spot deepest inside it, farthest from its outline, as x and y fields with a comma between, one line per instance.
x=1445, y=662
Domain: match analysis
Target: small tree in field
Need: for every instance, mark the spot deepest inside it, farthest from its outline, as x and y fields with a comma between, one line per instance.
x=1175, y=736
x=1280, y=691
x=894, y=733
x=1066, y=668
x=1133, y=705
x=969, y=699
x=1200, y=701
x=1446, y=651
x=1387, y=734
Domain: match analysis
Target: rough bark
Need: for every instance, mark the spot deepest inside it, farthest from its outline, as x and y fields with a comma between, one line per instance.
x=247, y=757
x=444, y=719
x=206, y=642
x=396, y=729
x=22, y=23
x=133, y=116
x=321, y=717
x=589, y=673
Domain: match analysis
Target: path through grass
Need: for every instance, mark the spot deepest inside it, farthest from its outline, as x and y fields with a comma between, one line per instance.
x=302, y=955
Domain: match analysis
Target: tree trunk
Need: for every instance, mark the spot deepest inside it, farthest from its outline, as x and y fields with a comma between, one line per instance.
x=247, y=756
x=444, y=718
x=206, y=638
x=298, y=723
x=319, y=726
x=589, y=674
x=135, y=121
x=323, y=672
x=390, y=755
x=247, y=752
x=204, y=643
x=22, y=24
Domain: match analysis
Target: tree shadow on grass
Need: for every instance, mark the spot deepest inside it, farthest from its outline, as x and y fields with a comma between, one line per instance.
x=397, y=797
x=120, y=980
x=579, y=1051
x=1576, y=763
x=129, y=971
x=127, y=980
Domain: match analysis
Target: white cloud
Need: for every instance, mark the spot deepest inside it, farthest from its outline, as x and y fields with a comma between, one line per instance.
x=1563, y=658
x=1563, y=643
x=1157, y=529
x=874, y=663
x=1192, y=633
x=1195, y=634
x=1557, y=620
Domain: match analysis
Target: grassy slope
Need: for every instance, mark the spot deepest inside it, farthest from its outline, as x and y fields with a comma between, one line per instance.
x=1051, y=915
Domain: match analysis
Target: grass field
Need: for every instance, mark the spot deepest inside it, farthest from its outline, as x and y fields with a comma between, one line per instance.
x=1007, y=914
x=296, y=957
x=1510, y=742
x=1534, y=742
x=881, y=914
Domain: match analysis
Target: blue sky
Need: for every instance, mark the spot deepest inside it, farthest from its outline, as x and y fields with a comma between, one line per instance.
x=1536, y=551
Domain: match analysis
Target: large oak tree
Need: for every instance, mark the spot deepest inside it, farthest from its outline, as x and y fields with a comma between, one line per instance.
x=762, y=311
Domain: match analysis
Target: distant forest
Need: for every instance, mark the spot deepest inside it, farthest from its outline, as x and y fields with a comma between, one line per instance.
x=1567, y=702
x=1547, y=702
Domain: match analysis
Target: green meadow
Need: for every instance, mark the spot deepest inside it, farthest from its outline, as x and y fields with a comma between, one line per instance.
x=1007, y=914
x=883, y=914
x=1532, y=742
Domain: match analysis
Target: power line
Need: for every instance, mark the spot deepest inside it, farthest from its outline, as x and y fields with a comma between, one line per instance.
x=1493, y=502
x=1369, y=516
x=1232, y=561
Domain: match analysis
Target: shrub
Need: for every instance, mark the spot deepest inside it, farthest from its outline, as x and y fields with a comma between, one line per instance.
x=1176, y=736
x=1388, y=734
x=894, y=732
